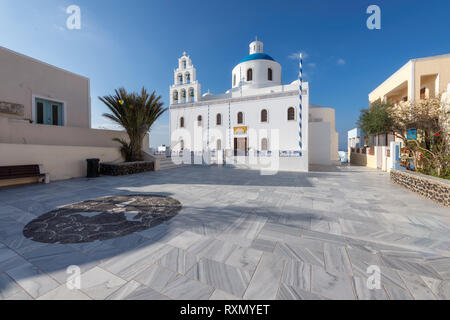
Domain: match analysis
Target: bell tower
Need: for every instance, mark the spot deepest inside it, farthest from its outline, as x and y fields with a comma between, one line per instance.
x=186, y=88
x=256, y=46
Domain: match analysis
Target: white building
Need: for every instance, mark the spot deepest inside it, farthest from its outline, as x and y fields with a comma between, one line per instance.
x=258, y=117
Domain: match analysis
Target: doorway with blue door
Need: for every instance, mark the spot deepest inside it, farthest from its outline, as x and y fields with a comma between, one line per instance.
x=49, y=112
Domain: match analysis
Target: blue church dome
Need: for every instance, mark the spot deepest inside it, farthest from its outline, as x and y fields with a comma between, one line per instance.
x=257, y=56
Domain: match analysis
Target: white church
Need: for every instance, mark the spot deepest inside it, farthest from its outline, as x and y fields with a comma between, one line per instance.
x=258, y=120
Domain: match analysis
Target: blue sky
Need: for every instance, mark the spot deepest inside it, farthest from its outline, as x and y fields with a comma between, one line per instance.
x=136, y=43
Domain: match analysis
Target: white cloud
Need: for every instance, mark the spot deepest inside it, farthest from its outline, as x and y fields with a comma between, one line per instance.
x=312, y=65
x=341, y=62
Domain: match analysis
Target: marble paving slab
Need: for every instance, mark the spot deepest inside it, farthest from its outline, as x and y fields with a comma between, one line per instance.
x=156, y=277
x=266, y=280
x=222, y=276
x=245, y=258
x=63, y=293
x=288, y=292
x=98, y=283
x=185, y=288
x=178, y=260
x=338, y=287
x=297, y=274
x=32, y=280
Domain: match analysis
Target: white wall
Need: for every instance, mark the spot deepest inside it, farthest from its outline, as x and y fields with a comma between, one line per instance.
x=277, y=119
x=284, y=138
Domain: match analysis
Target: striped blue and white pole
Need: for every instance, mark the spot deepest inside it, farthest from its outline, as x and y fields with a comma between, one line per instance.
x=229, y=125
x=207, y=141
x=300, y=80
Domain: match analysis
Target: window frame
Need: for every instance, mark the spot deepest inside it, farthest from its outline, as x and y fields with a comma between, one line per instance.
x=261, y=116
x=295, y=114
x=35, y=97
x=243, y=117
x=250, y=72
x=221, y=119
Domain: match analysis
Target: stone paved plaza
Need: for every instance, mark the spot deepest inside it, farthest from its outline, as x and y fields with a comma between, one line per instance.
x=239, y=235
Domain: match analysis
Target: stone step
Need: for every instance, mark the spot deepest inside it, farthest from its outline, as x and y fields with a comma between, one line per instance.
x=166, y=164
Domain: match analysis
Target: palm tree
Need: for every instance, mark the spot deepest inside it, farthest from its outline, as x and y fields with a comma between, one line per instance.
x=136, y=113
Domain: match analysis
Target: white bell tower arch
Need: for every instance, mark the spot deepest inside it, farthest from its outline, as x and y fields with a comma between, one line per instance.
x=185, y=88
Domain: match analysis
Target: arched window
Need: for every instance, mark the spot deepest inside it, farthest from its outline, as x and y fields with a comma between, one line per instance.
x=175, y=96
x=249, y=75
x=219, y=119
x=191, y=94
x=180, y=78
x=199, y=120
x=184, y=64
x=291, y=113
x=234, y=80
x=187, y=77
x=269, y=74
x=181, y=122
x=219, y=144
x=181, y=145
x=183, y=95
x=264, y=144
x=240, y=118
x=264, y=115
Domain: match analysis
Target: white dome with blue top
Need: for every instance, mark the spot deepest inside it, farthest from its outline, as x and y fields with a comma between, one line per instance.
x=257, y=70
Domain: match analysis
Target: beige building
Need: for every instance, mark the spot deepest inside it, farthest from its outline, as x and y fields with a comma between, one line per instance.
x=418, y=79
x=45, y=118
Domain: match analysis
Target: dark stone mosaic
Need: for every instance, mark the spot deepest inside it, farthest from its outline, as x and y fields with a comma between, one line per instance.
x=102, y=219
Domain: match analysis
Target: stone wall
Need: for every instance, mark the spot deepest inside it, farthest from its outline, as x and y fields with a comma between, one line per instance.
x=125, y=168
x=432, y=188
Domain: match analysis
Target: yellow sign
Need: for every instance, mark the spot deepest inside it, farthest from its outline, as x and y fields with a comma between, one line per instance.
x=240, y=130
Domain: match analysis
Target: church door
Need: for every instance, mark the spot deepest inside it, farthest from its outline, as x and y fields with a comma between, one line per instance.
x=240, y=146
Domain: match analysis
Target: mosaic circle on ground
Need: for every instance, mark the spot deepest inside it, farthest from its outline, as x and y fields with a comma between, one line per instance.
x=102, y=219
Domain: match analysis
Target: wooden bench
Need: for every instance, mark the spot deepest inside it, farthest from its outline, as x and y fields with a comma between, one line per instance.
x=14, y=175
